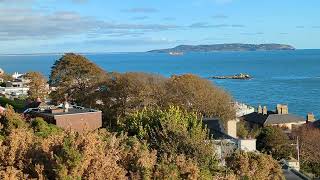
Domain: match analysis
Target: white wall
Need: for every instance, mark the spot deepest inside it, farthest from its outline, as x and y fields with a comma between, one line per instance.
x=248, y=145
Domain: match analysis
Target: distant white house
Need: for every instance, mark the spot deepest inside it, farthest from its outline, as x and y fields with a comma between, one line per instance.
x=14, y=91
x=16, y=87
x=243, y=109
x=16, y=75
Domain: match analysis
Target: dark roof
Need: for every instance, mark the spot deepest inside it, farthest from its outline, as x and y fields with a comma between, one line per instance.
x=283, y=118
x=316, y=123
x=73, y=110
x=255, y=118
x=272, y=118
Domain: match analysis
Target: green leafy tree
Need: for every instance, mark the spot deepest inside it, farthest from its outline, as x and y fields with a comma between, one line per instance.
x=37, y=86
x=172, y=132
x=11, y=120
x=242, y=131
x=74, y=76
x=272, y=140
x=43, y=129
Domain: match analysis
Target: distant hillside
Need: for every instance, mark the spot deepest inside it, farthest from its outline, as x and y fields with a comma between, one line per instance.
x=225, y=47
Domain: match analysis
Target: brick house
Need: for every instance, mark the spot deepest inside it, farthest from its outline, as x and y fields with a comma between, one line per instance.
x=68, y=116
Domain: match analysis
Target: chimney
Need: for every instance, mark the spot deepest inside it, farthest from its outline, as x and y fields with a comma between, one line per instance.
x=285, y=109
x=310, y=117
x=265, y=110
x=279, y=109
x=259, y=109
x=231, y=128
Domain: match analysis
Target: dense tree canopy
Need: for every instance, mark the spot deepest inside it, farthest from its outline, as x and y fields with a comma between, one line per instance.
x=37, y=86
x=74, y=76
x=272, y=140
x=196, y=94
x=309, y=148
x=172, y=132
x=254, y=166
x=124, y=93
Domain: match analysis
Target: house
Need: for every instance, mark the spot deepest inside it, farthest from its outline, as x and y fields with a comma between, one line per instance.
x=280, y=117
x=14, y=91
x=68, y=116
x=16, y=87
x=227, y=135
x=243, y=109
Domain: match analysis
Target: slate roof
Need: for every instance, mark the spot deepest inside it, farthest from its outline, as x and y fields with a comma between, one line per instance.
x=316, y=123
x=272, y=118
x=255, y=118
x=283, y=118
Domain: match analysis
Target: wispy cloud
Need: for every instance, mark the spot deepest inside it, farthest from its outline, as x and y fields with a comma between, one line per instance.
x=169, y=18
x=207, y=25
x=25, y=23
x=140, y=10
x=252, y=33
x=140, y=18
x=219, y=16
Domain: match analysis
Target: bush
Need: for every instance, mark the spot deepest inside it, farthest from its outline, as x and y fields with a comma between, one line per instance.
x=254, y=166
x=173, y=132
x=17, y=104
x=43, y=129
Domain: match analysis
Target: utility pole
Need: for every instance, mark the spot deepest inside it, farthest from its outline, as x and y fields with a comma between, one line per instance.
x=298, y=149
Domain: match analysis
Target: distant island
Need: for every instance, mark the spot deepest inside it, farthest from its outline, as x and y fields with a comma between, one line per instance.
x=240, y=76
x=224, y=47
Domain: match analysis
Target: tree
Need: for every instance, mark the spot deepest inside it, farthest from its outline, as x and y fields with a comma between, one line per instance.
x=37, y=86
x=126, y=93
x=173, y=132
x=272, y=140
x=43, y=129
x=242, y=131
x=309, y=148
x=74, y=76
x=252, y=165
x=11, y=120
x=193, y=93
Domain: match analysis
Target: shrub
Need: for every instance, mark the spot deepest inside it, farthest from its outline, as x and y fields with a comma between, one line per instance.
x=254, y=166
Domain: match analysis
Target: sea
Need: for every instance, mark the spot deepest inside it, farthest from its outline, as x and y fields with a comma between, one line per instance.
x=285, y=77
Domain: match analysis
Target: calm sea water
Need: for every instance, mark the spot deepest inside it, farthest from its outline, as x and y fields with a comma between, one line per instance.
x=289, y=77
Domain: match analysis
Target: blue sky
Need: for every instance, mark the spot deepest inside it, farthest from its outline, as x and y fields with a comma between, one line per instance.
x=41, y=26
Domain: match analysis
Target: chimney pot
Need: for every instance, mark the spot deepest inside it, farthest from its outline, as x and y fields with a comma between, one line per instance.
x=259, y=109
x=265, y=110
x=310, y=117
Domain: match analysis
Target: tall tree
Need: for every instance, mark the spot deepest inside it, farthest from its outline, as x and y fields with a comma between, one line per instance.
x=309, y=148
x=196, y=94
x=74, y=76
x=272, y=140
x=128, y=92
x=37, y=86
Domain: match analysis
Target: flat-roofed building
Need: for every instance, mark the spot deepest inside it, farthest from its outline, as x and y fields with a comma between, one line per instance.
x=68, y=116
